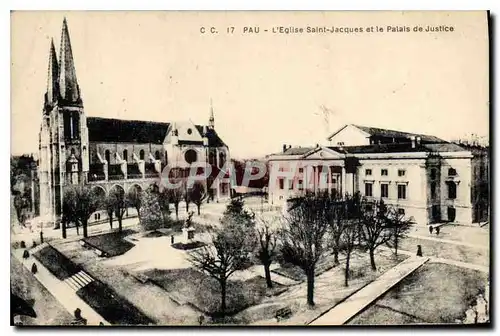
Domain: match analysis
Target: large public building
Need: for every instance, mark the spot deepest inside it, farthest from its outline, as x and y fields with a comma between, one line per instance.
x=426, y=178
x=110, y=153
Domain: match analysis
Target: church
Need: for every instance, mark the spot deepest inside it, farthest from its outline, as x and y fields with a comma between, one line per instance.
x=110, y=153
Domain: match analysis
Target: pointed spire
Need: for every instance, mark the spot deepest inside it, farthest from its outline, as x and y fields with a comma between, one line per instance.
x=68, y=85
x=53, y=72
x=211, y=120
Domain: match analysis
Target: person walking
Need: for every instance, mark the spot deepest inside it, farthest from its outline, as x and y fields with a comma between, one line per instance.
x=419, y=250
x=431, y=228
x=437, y=231
x=172, y=240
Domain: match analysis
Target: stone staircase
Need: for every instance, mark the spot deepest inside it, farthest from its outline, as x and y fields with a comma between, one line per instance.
x=78, y=280
x=38, y=248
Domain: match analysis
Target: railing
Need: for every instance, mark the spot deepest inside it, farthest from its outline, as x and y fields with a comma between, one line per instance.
x=150, y=171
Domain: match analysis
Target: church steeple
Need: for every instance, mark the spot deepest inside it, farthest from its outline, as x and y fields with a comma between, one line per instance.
x=68, y=84
x=53, y=72
x=211, y=120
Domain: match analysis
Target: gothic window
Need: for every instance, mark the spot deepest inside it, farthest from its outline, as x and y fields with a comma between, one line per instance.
x=141, y=154
x=107, y=156
x=125, y=155
x=157, y=155
x=433, y=190
x=222, y=159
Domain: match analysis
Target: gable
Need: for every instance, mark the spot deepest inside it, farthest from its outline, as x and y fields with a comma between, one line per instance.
x=349, y=135
x=323, y=153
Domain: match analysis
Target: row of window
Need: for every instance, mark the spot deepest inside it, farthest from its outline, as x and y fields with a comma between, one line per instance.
x=385, y=172
x=384, y=190
x=142, y=155
x=451, y=172
x=452, y=190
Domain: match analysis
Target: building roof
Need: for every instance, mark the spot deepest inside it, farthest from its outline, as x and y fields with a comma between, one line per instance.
x=296, y=151
x=398, y=148
x=138, y=131
x=382, y=132
x=117, y=130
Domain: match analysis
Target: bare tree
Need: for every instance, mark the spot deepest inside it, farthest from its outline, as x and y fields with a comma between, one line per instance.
x=374, y=229
x=79, y=202
x=134, y=199
x=110, y=209
x=266, y=250
x=150, y=213
x=119, y=203
x=175, y=196
x=197, y=194
x=349, y=240
x=337, y=215
x=399, y=226
x=222, y=257
x=303, y=233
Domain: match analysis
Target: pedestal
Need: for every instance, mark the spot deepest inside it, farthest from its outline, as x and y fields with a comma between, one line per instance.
x=188, y=235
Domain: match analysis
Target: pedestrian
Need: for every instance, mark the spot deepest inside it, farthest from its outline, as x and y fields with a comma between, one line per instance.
x=470, y=316
x=437, y=230
x=34, y=269
x=172, y=240
x=430, y=229
x=419, y=250
x=41, y=237
x=482, y=309
x=201, y=319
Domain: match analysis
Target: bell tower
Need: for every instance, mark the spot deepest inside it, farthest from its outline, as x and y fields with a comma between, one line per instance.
x=64, y=158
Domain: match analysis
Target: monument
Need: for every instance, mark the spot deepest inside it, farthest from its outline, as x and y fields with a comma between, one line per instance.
x=188, y=229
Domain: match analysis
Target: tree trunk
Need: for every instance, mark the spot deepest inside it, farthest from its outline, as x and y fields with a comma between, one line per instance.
x=85, y=232
x=77, y=229
x=187, y=207
x=310, y=286
x=223, y=297
x=267, y=271
x=110, y=221
x=372, y=259
x=63, y=229
x=396, y=242
x=336, y=255
x=347, y=260
x=177, y=211
x=120, y=224
x=199, y=206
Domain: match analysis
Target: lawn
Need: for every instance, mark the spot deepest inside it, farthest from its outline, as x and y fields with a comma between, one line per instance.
x=49, y=311
x=296, y=273
x=203, y=291
x=111, y=244
x=448, y=251
x=56, y=263
x=110, y=306
x=434, y=293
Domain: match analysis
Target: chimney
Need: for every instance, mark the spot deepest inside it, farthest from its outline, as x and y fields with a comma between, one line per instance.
x=412, y=138
x=284, y=148
x=317, y=145
x=290, y=146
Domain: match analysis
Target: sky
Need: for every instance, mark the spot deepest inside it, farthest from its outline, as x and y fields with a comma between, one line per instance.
x=267, y=89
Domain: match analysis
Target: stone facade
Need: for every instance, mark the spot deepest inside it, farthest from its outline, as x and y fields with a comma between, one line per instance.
x=112, y=153
x=426, y=178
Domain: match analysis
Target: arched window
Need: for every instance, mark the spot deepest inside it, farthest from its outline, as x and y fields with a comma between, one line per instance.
x=222, y=159
x=452, y=172
x=141, y=154
x=157, y=155
x=107, y=156
x=166, y=157
x=125, y=155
